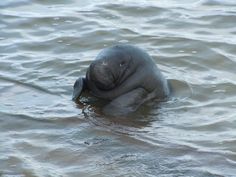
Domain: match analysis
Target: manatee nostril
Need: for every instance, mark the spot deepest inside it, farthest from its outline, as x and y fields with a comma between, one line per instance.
x=102, y=76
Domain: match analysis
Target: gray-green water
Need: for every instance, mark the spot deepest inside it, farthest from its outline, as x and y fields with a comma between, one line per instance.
x=46, y=45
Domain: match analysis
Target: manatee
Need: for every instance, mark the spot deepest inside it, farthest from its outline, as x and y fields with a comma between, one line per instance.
x=126, y=76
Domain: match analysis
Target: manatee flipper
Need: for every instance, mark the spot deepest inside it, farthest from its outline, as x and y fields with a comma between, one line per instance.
x=79, y=87
x=127, y=103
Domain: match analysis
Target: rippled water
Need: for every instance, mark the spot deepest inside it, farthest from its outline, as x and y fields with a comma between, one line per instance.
x=46, y=45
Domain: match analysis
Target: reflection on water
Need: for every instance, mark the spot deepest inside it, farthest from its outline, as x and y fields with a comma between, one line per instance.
x=46, y=45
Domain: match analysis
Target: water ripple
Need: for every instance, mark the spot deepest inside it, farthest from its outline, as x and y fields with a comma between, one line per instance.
x=46, y=45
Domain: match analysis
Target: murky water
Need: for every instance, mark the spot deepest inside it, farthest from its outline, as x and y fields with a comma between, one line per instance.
x=46, y=45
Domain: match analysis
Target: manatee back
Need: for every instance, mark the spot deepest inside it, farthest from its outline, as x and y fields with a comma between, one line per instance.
x=148, y=71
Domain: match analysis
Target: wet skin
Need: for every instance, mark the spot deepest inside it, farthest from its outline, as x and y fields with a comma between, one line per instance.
x=126, y=76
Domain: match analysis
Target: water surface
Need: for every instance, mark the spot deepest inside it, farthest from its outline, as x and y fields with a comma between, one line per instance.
x=46, y=45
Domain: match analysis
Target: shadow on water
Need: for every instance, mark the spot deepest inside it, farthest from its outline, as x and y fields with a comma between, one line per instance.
x=23, y=84
x=32, y=102
x=180, y=89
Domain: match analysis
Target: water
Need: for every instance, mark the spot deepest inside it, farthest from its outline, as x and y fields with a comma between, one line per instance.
x=46, y=45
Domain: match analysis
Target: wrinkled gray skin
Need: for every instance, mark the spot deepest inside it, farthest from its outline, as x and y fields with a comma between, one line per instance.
x=126, y=75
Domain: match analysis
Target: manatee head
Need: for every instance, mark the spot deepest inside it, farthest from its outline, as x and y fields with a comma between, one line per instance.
x=109, y=69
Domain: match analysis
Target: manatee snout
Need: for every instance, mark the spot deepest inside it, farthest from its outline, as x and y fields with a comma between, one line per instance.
x=101, y=74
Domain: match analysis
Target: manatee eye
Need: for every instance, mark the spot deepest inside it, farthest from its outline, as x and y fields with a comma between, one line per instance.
x=122, y=63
